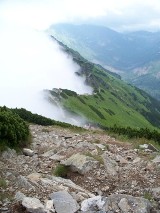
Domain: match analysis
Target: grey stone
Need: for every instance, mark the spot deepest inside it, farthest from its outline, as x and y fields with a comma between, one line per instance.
x=28, y=152
x=19, y=196
x=33, y=205
x=23, y=182
x=64, y=202
x=127, y=203
x=92, y=204
x=120, y=159
x=80, y=163
x=57, y=157
x=111, y=166
x=123, y=205
x=9, y=153
x=49, y=206
x=49, y=153
x=86, y=145
x=156, y=159
x=34, y=177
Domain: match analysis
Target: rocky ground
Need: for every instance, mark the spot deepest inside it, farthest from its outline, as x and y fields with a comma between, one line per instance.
x=99, y=173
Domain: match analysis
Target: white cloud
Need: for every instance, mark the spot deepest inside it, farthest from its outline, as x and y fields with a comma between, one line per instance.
x=30, y=61
x=120, y=14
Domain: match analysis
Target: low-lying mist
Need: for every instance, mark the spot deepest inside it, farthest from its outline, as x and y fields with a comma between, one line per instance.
x=30, y=62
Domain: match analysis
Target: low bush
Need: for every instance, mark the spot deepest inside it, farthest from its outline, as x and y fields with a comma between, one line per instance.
x=61, y=171
x=14, y=132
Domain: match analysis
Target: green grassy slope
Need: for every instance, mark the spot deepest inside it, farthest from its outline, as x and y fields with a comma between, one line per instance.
x=134, y=54
x=113, y=101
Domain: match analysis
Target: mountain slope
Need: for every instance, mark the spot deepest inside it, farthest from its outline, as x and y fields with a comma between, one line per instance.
x=113, y=101
x=147, y=78
x=128, y=53
x=111, y=48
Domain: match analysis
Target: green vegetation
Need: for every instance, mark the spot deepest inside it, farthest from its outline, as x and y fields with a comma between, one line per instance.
x=3, y=183
x=113, y=101
x=41, y=120
x=137, y=133
x=37, y=119
x=97, y=157
x=148, y=195
x=61, y=171
x=14, y=132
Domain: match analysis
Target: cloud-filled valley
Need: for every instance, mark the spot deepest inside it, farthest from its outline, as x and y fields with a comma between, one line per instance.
x=31, y=61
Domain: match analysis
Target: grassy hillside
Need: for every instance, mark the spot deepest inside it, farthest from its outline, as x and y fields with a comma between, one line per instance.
x=113, y=101
x=135, y=55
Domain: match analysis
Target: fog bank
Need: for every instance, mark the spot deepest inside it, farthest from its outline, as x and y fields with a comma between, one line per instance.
x=30, y=61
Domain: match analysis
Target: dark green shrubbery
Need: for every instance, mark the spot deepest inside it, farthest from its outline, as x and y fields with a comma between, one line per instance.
x=137, y=133
x=37, y=119
x=14, y=132
x=41, y=120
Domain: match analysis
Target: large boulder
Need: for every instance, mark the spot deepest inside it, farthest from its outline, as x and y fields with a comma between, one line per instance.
x=127, y=203
x=33, y=205
x=80, y=163
x=64, y=202
x=116, y=203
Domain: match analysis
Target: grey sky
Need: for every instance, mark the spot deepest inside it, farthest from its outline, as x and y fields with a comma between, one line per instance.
x=117, y=14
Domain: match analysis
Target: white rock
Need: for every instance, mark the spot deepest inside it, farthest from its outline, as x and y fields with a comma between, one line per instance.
x=28, y=152
x=95, y=202
x=143, y=146
x=49, y=206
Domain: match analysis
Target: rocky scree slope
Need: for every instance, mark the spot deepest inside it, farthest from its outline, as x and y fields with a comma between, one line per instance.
x=103, y=175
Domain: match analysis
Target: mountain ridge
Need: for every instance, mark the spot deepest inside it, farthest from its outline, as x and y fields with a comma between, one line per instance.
x=113, y=101
x=124, y=53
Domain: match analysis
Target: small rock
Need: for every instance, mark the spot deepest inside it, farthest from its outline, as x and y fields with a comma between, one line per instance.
x=19, y=196
x=34, y=177
x=111, y=166
x=143, y=146
x=49, y=206
x=123, y=205
x=28, y=152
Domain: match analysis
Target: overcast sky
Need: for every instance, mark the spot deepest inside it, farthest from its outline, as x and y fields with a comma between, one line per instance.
x=118, y=14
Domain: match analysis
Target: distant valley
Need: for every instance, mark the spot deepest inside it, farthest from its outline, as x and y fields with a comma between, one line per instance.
x=135, y=56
